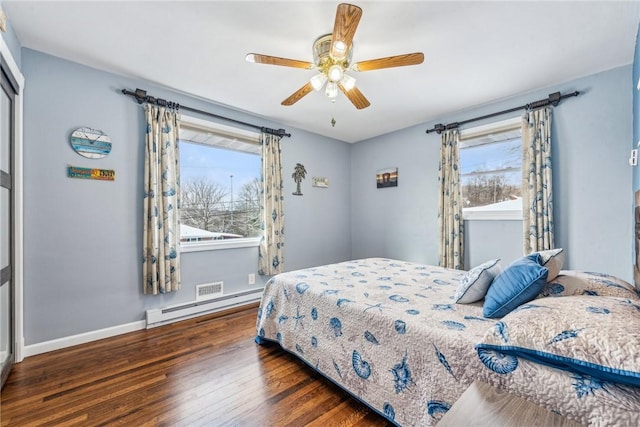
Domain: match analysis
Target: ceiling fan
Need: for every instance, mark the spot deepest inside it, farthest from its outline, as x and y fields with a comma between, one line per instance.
x=332, y=58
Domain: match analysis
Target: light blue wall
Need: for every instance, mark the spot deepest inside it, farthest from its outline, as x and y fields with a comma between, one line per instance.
x=593, y=182
x=636, y=108
x=481, y=243
x=634, y=142
x=591, y=136
x=83, y=238
x=396, y=222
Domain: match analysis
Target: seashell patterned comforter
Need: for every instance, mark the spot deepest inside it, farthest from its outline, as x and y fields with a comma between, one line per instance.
x=389, y=333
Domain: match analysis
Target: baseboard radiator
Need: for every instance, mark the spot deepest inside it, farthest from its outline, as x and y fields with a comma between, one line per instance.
x=163, y=316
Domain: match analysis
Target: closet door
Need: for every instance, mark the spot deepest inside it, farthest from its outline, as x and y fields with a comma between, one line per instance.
x=7, y=293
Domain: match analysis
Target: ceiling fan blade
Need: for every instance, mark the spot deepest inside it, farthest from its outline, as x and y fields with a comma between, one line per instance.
x=355, y=96
x=274, y=60
x=298, y=95
x=344, y=28
x=389, y=62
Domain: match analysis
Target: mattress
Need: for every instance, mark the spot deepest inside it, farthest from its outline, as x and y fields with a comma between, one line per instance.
x=389, y=333
x=386, y=331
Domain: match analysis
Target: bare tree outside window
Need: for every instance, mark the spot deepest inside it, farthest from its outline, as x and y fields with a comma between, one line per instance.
x=489, y=189
x=202, y=203
x=209, y=209
x=247, y=210
x=491, y=173
x=206, y=205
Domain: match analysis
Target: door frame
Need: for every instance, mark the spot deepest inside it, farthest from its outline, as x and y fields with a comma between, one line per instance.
x=13, y=72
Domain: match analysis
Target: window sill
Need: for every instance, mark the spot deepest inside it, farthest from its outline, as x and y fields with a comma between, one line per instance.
x=250, y=242
x=492, y=215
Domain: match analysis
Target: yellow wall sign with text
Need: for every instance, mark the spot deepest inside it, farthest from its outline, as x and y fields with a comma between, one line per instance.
x=88, y=173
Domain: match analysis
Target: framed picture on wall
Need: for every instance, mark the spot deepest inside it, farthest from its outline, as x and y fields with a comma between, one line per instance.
x=387, y=178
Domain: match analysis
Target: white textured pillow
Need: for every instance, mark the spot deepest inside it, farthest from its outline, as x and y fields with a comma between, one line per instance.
x=553, y=259
x=473, y=287
x=571, y=282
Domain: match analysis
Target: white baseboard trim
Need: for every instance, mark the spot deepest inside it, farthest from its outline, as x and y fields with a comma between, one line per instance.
x=57, y=344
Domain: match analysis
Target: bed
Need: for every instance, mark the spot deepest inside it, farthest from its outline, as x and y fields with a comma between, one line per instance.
x=390, y=333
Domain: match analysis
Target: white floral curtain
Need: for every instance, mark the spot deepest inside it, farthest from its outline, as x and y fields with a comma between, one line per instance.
x=537, y=188
x=161, y=235
x=271, y=251
x=450, y=203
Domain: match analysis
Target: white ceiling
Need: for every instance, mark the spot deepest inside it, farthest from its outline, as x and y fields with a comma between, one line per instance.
x=475, y=52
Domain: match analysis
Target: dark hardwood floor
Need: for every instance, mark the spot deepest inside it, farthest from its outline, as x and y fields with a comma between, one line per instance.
x=200, y=372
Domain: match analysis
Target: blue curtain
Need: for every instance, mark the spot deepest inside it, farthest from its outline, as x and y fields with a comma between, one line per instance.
x=537, y=183
x=161, y=233
x=271, y=250
x=450, y=220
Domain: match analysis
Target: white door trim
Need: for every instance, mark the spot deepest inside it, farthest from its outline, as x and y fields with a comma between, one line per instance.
x=18, y=181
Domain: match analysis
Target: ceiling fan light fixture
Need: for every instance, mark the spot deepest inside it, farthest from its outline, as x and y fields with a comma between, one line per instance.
x=335, y=73
x=332, y=90
x=318, y=81
x=348, y=82
x=340, y=48
x=332, y=55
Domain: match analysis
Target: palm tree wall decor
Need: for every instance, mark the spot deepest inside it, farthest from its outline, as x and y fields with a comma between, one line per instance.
x=298, y=175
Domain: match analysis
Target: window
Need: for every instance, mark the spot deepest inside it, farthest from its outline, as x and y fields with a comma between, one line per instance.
x=491, y=171
x=220, y=184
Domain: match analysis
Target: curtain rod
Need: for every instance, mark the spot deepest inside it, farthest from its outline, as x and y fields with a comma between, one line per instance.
x=141, y=96
x=553, y=99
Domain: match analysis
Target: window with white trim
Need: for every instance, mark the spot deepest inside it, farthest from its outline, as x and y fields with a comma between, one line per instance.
x=220, y=186
x=491, y=171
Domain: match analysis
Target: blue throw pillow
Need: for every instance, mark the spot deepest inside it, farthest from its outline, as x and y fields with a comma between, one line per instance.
x=520, y=282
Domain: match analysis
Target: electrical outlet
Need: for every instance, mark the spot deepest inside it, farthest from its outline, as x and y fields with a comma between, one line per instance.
x=252, y=279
